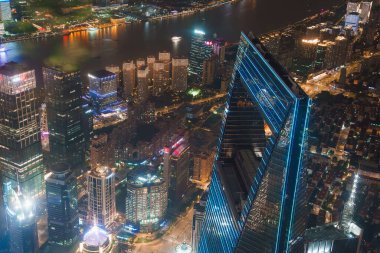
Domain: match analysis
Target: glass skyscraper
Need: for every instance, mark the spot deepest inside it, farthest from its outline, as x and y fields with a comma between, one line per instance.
x=200, y=50
x=257, y=194
x=62, y=206
x=64, y=115
x=20, y=148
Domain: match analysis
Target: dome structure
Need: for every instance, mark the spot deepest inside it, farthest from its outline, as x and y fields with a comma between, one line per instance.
x=96, y=240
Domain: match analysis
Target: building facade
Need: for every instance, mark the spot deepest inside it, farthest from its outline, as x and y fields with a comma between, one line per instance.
x=103, y=90
x=200, y=50
x=22, y=222
x=62, y=206
x=64, y=115
x=129, y=79
x=146, y=200
x=20, y=147
x=268, y=215
x=179, y=74
x=101, y=196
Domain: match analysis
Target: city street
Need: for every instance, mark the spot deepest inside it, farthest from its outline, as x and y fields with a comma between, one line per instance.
x=178, y=233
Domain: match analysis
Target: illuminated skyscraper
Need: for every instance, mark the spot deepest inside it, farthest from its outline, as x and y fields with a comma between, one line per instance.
x=101, y=196
x=20, y=147
x=62, y=206
x=259, y=208
x=103, y=90
x=179, y=74
x=22, y=223
x=146, y=200
x=200, y=50
x=64, y=114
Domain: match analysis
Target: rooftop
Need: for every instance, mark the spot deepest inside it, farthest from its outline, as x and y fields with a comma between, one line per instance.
x=13, y=68
x=101, y=74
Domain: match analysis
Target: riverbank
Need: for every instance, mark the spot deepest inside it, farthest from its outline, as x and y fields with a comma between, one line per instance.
x=94, y=27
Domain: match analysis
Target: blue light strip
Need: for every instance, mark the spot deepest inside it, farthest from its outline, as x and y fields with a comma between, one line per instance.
x=299, y=169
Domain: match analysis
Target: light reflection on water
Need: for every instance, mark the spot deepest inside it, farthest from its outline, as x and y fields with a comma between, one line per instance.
x=94, y=50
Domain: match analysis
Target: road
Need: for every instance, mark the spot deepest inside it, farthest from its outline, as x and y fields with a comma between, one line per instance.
x=169, y=109
x=178, y=233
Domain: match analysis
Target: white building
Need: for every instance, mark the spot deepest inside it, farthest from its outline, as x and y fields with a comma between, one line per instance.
x=101, y=196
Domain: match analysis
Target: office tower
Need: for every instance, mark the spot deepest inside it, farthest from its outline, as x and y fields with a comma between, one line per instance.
x=268, y=215
x=96, y=240
x=148, y=113
x=146, y=200
x=5, y=10
x=44, y=128
x=198, y=217
x=203, y=161
x=179, y=74
x=22, y=223
x=161, y=78
x=62, y=206
x=20, y=147
x=64, y=113
x=142, y=84
x=179, y=172
x=325, y=55
x=101, y=196
x=103, y=90
x=129, y=79
x=200, y=50
x=209, y=70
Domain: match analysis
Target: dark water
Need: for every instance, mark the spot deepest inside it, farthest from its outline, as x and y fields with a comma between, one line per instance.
x=94, y=50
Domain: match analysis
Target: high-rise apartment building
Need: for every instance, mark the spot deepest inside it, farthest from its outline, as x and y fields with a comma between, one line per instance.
x=146, y=200
x=20, y=147
x=259, y=208
x=129, y=79
x=200, y=50
x=142, y=84
x=161, y=77
x=103, y=90
x=64, y=114
x=62, y=206
x=101, y=196
x=179, y=74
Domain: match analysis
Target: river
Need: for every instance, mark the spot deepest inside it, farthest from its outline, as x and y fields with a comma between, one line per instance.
x=94, y=50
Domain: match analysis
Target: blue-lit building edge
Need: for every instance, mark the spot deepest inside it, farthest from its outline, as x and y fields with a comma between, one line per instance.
x=215, y=237
x=276, y=113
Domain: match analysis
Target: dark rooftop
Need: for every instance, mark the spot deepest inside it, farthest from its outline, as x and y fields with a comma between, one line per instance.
x=13, y=68
x=102, y=73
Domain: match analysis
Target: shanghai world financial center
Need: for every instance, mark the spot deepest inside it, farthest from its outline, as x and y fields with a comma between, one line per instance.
x=256, y=198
